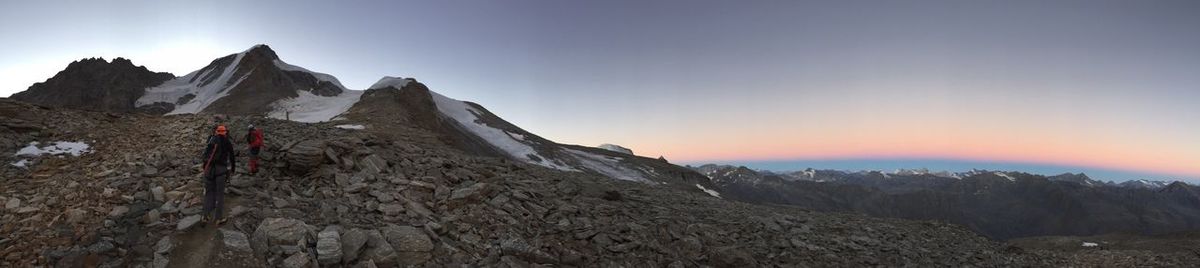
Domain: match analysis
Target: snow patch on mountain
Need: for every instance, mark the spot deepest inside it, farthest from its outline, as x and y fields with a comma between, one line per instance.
x=607, y=166
x=616, y=148
x=55, y=148
x=467, y=117
x=709, y=192
x=386, y=81
x=1005, y=175
x=194, y=84
x=320, y=76
x=310, y=108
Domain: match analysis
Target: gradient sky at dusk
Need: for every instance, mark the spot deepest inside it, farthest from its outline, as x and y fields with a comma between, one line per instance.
x=1105, y=87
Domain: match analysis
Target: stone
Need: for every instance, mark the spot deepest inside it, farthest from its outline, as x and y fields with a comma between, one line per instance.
x=173, y=196
x=152, y=216
x=187, y=222
x=355, y=187
x=391, y=209
x=373, y=164
x=101, y=247
x=118, y=211
x=160, y=261
x=518, y=247
x=13, y=203
x=76, y=215
x=567, y=188
x=353, y=241
x=472, y=193
x=235, y=240
x=329, y=247
x=298, y=260
x=238, y=211
x=149, y=171
x=157, y=193
x=379, y=250
x=164, y=245
x=278, y=231
x=407, y=238
x=304, y=157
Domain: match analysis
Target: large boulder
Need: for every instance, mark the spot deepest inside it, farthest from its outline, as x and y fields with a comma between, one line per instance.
x=412, y=245
x=305, y=156
x=353, y=242
x=379, y=251
x=278, y=231
x=329, y=247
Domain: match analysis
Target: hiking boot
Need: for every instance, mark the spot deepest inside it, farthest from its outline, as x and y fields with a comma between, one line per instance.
x=222, y=221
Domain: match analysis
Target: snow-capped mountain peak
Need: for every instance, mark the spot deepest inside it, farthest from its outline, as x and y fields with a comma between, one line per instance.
x=386, y=81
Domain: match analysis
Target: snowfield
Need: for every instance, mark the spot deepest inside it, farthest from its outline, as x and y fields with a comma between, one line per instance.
x=606, y=165
x=320, y=76
x=387, y=81
x=311, y=108
x=354, y=127
x=468, y=118
x=57, y=148
x=205, y=94
x=709, y=192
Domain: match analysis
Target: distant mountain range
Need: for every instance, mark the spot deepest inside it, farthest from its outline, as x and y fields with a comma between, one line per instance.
x=998, y=204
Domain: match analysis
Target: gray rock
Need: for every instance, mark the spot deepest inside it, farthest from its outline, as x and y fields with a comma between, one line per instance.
x=118, y=211
x=235, y=240
x=329, y=248
x=173, y=195
x=304, y=157
x=157, y=193
x=187, y=222
x=472, y=193
x=407, y=238
x=13, y=203
x=353, y=241
x=391, y=209
x=101, y=247
x=152, y=216
x=76, y=215
x=373, y=164
x=164, y=245
x=355, y=187
x=278, y=231
x=160, y=261
x=518, y=247
x=298, y=260
x=379, y=250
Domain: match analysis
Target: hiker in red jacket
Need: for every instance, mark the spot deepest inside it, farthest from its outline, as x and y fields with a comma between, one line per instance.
x=254, y=138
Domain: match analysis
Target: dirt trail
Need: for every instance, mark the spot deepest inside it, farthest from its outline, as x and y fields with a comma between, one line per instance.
x=202, y=246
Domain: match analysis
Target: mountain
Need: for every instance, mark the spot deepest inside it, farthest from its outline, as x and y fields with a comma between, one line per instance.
x=1000, y=205
x=471, y=127
x=94, y=84
x=252, y=82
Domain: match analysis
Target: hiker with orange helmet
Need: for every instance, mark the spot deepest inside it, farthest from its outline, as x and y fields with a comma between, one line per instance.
x=218, y=167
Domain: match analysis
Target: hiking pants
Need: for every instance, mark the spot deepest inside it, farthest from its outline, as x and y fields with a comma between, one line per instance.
x=214, y=191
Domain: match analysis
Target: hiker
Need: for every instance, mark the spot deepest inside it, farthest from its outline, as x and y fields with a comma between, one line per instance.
x=254, y=138
x=218, y=167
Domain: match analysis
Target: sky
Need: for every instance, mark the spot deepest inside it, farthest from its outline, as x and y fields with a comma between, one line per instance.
x=1105, y=87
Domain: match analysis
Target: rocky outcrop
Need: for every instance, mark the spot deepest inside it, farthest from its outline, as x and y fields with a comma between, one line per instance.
x=95, y=84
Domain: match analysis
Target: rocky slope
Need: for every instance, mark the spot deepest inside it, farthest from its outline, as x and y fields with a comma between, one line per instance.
x=94, y=84
x=388, y=196
x=1000, y=205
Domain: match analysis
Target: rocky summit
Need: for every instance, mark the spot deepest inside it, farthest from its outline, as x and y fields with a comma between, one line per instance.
x=401, y=176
